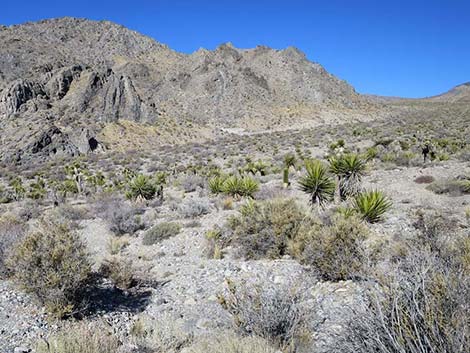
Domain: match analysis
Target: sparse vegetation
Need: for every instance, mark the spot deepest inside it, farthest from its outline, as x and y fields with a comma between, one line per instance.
x=160, y=232
x=52, y=263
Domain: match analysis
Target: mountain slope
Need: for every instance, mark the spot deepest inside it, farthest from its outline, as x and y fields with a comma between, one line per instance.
x=74, y=77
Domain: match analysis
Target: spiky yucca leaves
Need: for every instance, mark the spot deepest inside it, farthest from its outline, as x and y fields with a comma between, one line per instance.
x=317, y=183
x=141, y=187
x=216, y=184
x=349, y=169
x=372, y=205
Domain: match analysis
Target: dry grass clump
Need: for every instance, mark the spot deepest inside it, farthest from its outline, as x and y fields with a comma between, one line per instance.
x=120, y=271
x=228, y=342
x=453, y=187
x=160, y=232
x=81, y=338
x=52, y=263
x=162, y=335
x=274, y=312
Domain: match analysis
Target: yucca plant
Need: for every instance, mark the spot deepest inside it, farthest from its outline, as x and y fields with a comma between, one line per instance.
x=141, y=187
x=372, y=205
x=216, y=184
x=317, y=183
x=236, y=186
x=349, y=168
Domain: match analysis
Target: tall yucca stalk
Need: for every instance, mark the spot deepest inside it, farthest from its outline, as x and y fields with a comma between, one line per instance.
x=349, y=168
x=317, y=183
x=372, y=205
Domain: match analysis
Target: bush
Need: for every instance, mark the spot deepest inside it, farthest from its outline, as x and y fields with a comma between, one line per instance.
x=12, y=231
x=231, y=343
x=273, y=312
x=453, y=187
x=161, y=231
x=52, y=263
x=164, y=335
x=264, y=229
x=317, y=183
x=372, y=205
x=423, y=307
x=120, y=271
x=81, y=338
x=336, y=252
x=194, y=207
x=424, y=179
x=192, y=182
x=122, y=217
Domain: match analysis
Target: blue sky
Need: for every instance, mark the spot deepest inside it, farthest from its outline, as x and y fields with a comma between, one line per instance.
x=403, y=48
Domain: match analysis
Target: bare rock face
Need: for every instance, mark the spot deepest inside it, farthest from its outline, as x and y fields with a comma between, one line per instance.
x=17, y=94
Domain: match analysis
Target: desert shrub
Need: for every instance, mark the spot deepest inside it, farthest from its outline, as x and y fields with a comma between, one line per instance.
x=192, y=182
x=213, y=249
x=120, y=271
x=141, y=187
x=453, y=187
x=422, y=307
x=264, y=229
x=123, y=218
x=336, y=252
x=424, y=179
x=12, y=231
x=161, y=231
x=163, y=335
x=349, y=169
x=275, y=312
x=194, y=207
x=52, y=263
x=372, y=205
x=81, y=338
x=228, y=342
x=317, y=183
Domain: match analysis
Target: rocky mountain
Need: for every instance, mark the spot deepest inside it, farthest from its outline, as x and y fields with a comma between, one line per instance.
x=69, y=86
x=458, y=94
x=64, y=80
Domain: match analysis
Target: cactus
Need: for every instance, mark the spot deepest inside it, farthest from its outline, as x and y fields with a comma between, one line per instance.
x=285, y=177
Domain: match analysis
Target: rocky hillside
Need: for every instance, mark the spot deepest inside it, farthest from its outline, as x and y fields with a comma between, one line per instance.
x=458, y=94
x=63, y=80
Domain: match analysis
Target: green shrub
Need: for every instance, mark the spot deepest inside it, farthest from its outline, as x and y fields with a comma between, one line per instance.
x=372, y=205
x=263, y=229
x=160, y=232
x=141, y=187
x=336, y=252
x=317, y=183
x=240, y=186
x=52, y=263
